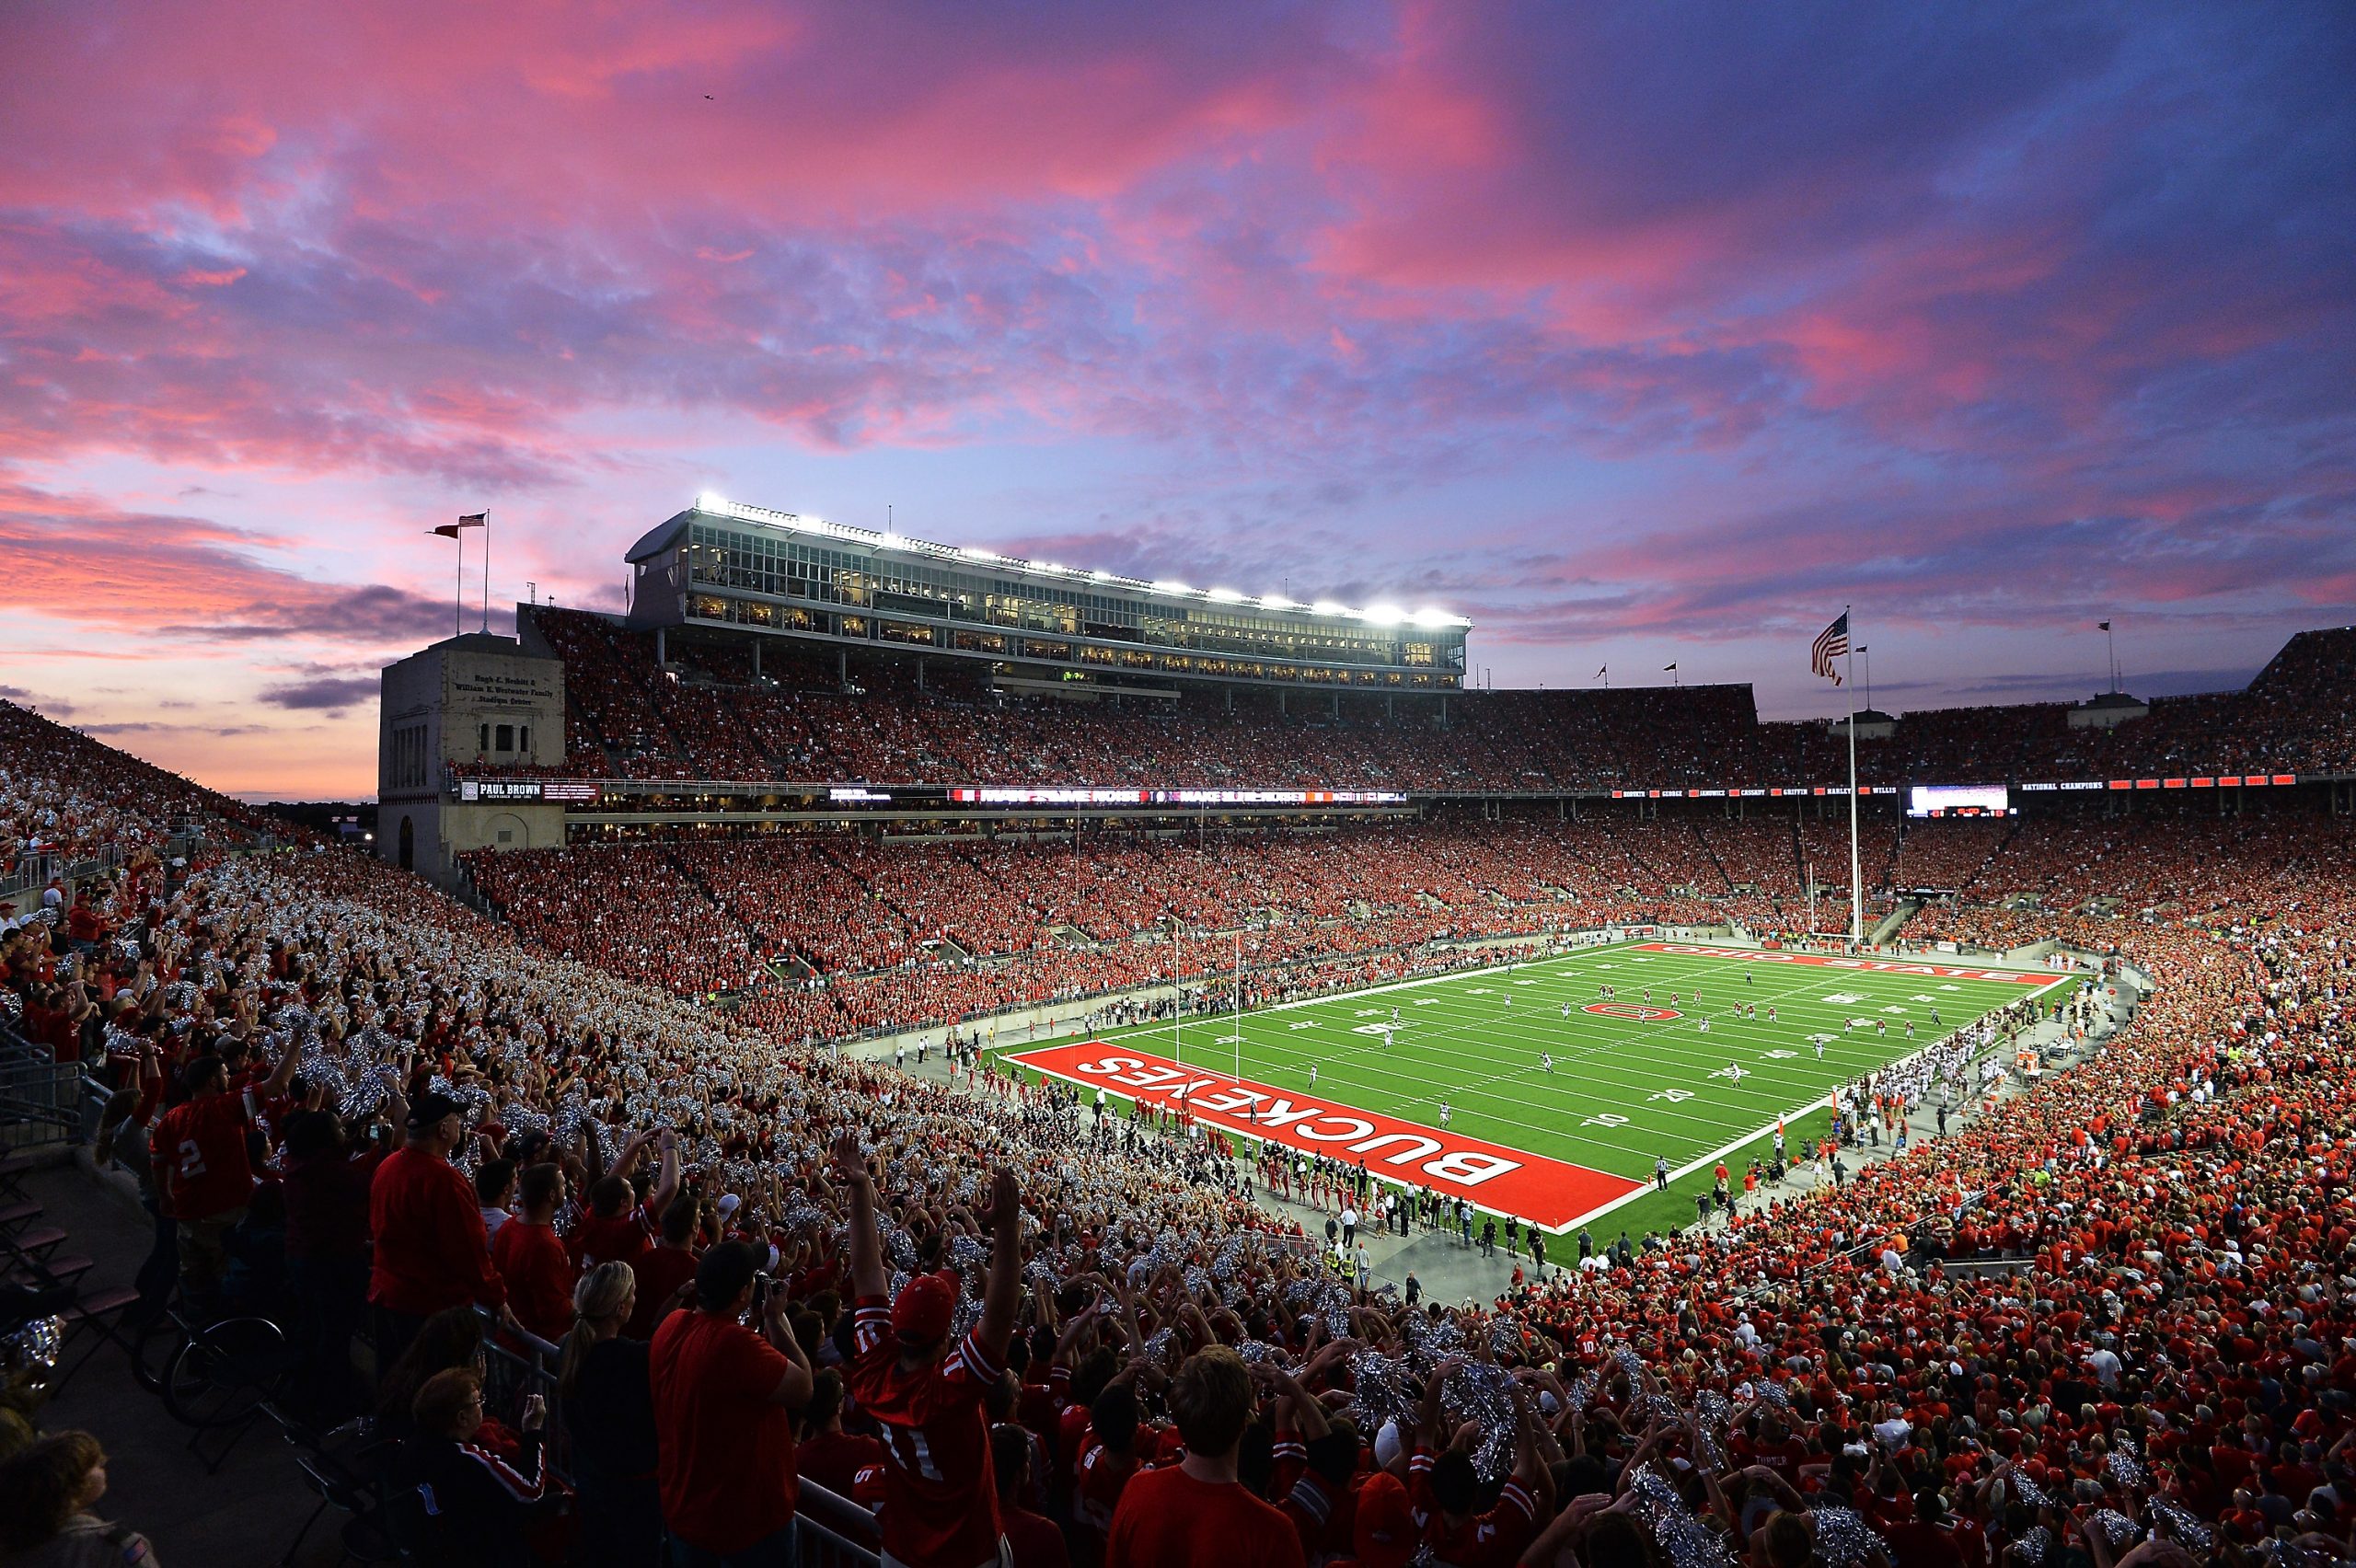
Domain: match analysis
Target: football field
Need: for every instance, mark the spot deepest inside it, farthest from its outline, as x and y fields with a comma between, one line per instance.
x=1532, y=1092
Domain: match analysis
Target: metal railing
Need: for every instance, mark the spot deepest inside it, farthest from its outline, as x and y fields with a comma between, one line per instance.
x=834, y=1532
x=518, y=1363
x=41, y=1100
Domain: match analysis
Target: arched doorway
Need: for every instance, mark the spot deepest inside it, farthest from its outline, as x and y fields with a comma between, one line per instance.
x=408, y=845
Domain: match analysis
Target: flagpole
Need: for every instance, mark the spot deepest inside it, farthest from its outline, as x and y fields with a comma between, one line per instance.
x=486, y=571
x=1856, y=881
x=458, y=588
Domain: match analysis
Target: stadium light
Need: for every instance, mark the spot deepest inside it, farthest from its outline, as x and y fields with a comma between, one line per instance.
x=1382, y=614
x=1328, y=607
x=1429, y=618
x=1223, y=596
x=1172, y=588
x=891, y=542
x=1102, y=575
x=711, y=501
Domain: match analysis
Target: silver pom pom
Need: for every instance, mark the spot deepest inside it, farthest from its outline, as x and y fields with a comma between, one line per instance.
x=1842, y=1537
x=2179, y=1521
x=2125, y=1467
x=1482, y=1393
x=34, y=1347
x=1382, y=1387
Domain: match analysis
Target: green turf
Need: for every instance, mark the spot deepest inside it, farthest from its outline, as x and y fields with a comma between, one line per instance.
x=1622, y=1092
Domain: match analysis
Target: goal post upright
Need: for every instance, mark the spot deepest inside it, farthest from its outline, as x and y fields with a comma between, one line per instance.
x=1856, y=884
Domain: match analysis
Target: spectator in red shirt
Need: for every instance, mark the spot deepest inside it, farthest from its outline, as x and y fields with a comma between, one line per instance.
x=84, y=926
x=662, y=1270
x=830, y=1455
x=430, y=1249
x=1195, y=1514
x=200, y=1145
x=941, y=1489
x=1107, y=1459
x=532, y=1259
x=724, y=1403
x=613, y=1230
x=1031, y=1540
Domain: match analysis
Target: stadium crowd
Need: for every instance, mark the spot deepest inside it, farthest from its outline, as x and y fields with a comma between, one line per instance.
x=704, y=716
x=2115, y=1324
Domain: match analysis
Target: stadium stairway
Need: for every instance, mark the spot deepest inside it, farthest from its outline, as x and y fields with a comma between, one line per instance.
x=1893, y=920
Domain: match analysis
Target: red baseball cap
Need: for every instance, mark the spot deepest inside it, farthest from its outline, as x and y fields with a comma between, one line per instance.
x=921, y=1312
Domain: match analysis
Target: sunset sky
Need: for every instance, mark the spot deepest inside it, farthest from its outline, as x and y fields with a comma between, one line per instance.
x=1637, y=334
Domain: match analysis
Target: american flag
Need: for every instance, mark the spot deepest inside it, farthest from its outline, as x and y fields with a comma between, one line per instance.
x=1831, y=644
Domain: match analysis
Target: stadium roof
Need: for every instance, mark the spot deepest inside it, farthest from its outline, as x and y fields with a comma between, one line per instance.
x=666, y=535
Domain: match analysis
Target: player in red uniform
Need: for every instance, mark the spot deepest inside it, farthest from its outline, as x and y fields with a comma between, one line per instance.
x=940, y=1494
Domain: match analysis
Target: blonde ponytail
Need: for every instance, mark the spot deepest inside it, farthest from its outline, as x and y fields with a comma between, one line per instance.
x=600, y=1293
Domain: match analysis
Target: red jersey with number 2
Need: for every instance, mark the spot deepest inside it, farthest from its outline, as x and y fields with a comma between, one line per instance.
x=202, y=1145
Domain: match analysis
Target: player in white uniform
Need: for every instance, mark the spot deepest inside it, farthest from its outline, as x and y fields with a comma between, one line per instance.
x=1313, y=1075
x=1443, y=1113
x=1546, y=1060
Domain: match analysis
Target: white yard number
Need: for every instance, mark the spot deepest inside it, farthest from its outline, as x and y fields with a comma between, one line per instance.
x=1781, y=1055
x=1729, y=1071
x=1843, y=998
x=1674, y=1096
x=1525, y=982
x=1605, y=1118
x=1428, y=1001
x=1369, y=1013
x=1922, y=997
x=1893, y=1008
x=1950, y=988
x=1476, y=990
x=1303, y=1025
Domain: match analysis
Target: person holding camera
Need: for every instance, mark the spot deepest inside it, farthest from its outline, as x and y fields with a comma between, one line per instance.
x=725, y=1398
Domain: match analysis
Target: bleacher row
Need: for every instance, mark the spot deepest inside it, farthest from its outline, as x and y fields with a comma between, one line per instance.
x=705, y=718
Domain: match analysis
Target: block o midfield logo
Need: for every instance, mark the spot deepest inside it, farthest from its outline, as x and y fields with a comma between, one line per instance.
x=1633, y=1010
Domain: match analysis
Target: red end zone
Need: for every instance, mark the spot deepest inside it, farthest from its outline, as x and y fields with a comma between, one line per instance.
x=1505, y=1180
x=1871, y=965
